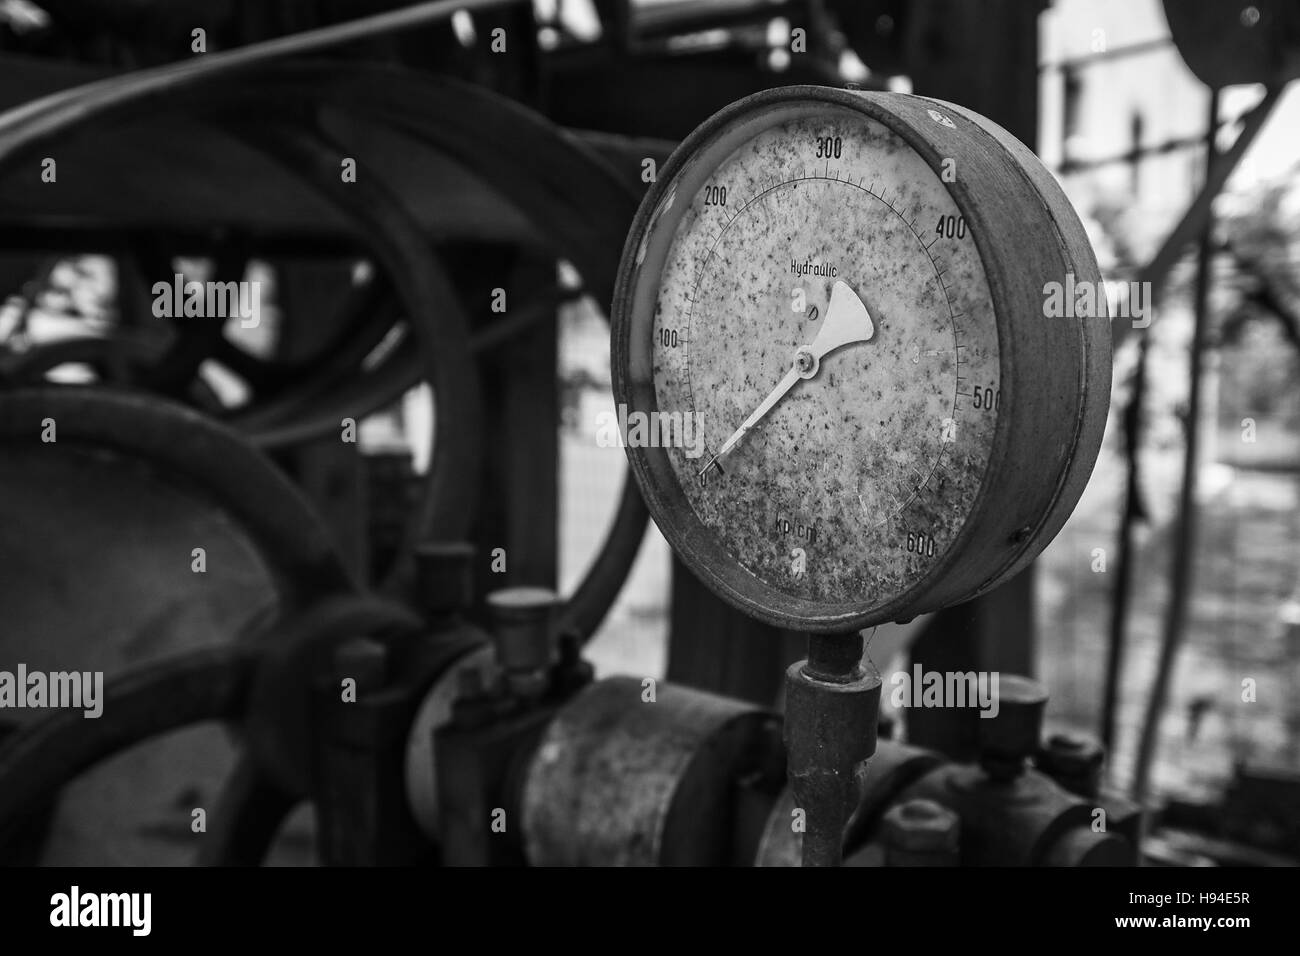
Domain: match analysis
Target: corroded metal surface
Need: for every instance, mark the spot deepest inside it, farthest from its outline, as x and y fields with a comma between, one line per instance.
x=883, y=441
x=619, y=780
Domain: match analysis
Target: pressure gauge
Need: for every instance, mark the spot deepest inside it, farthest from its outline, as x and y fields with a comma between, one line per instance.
x=849, y=388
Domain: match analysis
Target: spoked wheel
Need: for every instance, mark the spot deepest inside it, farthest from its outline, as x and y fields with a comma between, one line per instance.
x=578, y=208
x=137, y=529
x=170, y=356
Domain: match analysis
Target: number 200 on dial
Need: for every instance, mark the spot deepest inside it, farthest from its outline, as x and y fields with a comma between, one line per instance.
x=830, y=314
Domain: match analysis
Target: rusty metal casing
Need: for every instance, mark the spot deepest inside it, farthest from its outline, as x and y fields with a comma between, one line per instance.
x=627, y=777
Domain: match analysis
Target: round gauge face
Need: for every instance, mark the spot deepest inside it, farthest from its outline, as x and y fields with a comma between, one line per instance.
x=814, y=363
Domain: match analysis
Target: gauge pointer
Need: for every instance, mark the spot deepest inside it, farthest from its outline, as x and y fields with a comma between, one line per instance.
x=847, y=322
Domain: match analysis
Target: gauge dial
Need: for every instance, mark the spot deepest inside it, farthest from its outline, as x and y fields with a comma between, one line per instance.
x=811, y=347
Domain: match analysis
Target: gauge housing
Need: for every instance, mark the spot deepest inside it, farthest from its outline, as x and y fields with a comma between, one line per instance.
x=1054, y=373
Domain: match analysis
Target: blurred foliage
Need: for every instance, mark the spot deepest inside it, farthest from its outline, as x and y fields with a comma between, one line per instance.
x=1255, y=303
x=1258, y=327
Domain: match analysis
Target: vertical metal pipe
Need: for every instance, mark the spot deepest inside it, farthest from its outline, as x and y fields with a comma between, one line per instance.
x=1132, y=513
x=831, y=660
x=832, y=703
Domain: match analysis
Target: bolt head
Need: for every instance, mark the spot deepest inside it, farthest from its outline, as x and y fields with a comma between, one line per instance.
x=1071, y=754
x=920, y=825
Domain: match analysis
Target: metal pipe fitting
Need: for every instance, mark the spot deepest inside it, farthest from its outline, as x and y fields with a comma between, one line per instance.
x=1010, y=738
x=521, y=626
x=832, y=705
x=920, y=832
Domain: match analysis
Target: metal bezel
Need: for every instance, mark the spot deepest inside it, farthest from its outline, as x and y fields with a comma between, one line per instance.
x=632, y=318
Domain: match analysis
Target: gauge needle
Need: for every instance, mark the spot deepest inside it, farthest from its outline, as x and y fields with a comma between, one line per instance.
x=847, y=322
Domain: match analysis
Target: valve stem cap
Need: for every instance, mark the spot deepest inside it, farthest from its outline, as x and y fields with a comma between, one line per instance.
x=1014, y=734
x=521, y=620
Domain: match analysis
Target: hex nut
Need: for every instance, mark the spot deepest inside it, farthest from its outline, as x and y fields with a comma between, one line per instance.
x=920, y=826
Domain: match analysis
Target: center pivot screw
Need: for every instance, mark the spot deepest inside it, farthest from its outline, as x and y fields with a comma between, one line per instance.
x=805, y=363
